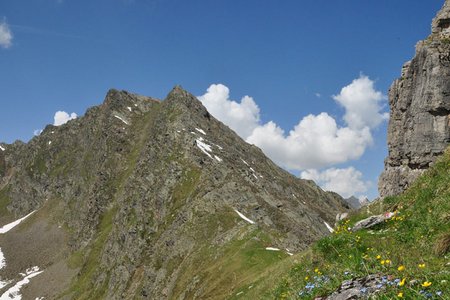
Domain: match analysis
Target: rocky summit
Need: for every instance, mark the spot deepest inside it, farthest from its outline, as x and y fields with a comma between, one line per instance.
x=419, y=124
x=148, y=199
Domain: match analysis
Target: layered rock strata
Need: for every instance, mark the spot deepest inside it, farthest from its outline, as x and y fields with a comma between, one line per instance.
x=419, y=125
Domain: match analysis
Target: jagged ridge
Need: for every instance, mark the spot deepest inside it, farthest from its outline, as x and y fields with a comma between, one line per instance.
x=146, y=192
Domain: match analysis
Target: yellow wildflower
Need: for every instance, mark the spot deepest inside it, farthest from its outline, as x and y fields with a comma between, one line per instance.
x=421, y=266
x=387, y=261
x=401, y=268
x=378, y=256
x=400, y=295
x=382, y=262
x=402, y=282
x=426, y=284
x=316, y=270
x=306, y=278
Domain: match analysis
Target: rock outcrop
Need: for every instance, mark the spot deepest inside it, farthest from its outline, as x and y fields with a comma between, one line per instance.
x=419, y=125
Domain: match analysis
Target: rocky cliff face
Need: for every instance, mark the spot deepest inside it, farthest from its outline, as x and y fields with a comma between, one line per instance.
x=419, y=125
x=148, y=199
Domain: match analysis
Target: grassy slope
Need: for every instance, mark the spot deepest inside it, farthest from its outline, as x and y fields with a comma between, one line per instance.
x=419, y=234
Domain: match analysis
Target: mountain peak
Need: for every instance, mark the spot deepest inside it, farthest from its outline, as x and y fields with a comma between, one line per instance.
x=179, y=94
x=181, y=99
x=162, y=189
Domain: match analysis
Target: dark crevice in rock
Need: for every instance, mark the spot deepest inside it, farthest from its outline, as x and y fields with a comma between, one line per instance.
x=444, y=23
x=418, y=166
x=440, y=111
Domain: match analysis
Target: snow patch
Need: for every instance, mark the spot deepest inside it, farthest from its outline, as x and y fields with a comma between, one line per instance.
x=1, y=148
x=218, y=158
x=289, y=253
x=329, y=227
x=201, y=131
x=2, y=259
x=204, y=147
x=13, y=292
x=244, y=162
x=11, y=225
x=129, y=108
x=121, y=119
x=244, y=217
x=49, y=142
x=272, y=249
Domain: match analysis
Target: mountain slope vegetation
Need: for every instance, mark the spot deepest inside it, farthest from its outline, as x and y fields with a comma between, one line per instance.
x=409, y=252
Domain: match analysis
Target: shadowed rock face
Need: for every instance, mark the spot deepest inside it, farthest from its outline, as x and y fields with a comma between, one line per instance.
x=145, y=194
x=419, y=125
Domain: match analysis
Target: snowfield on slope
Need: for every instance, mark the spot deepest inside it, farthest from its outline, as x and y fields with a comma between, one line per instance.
x=11, y=225
x=13, y=292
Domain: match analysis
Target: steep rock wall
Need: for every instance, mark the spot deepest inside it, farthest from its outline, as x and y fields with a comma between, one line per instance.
x=419, y=125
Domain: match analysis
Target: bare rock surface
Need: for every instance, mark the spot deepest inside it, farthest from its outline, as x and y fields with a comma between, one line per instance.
x=148, y=199
x=419, y=124
x=358, y=288
x=371, y=221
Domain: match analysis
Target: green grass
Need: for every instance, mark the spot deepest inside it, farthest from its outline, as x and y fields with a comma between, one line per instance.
x=90, y=261
x=413, y=245
x=185, y=187
x=229, y=269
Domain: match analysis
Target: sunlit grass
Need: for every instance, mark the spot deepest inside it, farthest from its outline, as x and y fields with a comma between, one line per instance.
x=409, y=251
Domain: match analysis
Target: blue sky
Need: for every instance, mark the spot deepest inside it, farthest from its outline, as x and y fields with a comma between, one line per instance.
x=63, y=55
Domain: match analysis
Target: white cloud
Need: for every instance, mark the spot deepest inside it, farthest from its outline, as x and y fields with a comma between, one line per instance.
x=61, y=117
x=6, y=35
x=362, y=104
x=242, y=117
x=318, y=95
x=316, y=141
x=346, y=182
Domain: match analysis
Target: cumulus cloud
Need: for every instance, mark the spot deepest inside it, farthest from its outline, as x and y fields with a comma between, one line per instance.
x=6, y=35
x=362, y=104
x=346, y=182
x=317, y=141
x=242, y=117
x=37, y=132
x=61, y=117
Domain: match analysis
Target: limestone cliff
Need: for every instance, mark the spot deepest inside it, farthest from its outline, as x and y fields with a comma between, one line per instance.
x=419, y=125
